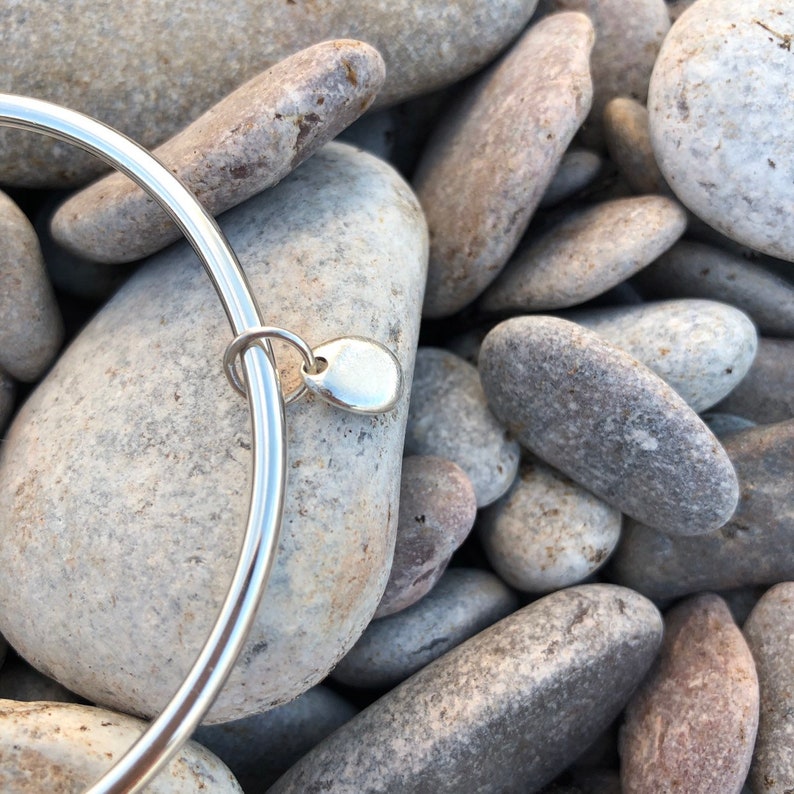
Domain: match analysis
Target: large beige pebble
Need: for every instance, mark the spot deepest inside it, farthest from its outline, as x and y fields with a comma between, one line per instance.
x=249, y=141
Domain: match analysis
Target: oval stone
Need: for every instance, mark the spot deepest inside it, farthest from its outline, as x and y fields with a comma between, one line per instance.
x=591, y=410
x=549, y=677
x=124, y=479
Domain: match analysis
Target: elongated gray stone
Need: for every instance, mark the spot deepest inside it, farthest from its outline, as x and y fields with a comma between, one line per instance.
x=769, y=631
x=124, y=479
x=489, y=162
x=587, y=254
x=67, y=747
x=247, y=142
x=746, y=551
x=598, y=415
x=691, y=727
x=150, y=74
x=703, y=349
x=505, y=711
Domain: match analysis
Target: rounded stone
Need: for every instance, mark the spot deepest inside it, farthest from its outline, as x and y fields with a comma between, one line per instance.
x=488, y=163
x=247, y=142
x=702, y=349
x=595, y=413
x=721, y=115
x=577, y=169
x=549, y=677
x=449, y=417
x=769, y=631
x=586, y=254
x=67, y=747
x=437, y=511
x=691, y=727
x=547, y=532
x=124, y=480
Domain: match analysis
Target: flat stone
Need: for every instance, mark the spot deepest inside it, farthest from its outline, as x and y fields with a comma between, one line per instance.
x=466, y=721
x=20, y=681
x=8, y=393
x=449, y=417
x=124, y=478
x=577, y=169
x=246, y=143
x=587, y=254
x=437, y=511
x=701, y=348
x=150, y=75
x=490, y=160
x=766, y=394
x=692, y=269
x=547, y=532
x=691, y=727
x=67, y=747
x=260, y=748
x=746, y=551
x=464, y=602
x=595, y=413
x=721, y=134
x=31, y=328
x=769, y=632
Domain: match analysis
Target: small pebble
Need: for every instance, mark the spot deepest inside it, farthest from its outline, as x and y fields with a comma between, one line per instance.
x=437, y=511
x=589, y=409
x=547, y=532
x=464, y=602
x=769, y=631
x=449, y=417
x=691, y=727
x=577, y=169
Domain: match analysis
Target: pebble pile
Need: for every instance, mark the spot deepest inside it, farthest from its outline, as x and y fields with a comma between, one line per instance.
x=564, y=563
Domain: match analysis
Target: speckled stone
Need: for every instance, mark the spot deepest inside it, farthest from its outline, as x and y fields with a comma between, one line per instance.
x=591, y=410
x=766, y=394
x=20, y=681
x=628, y=36
x=31, y=328
x=246, y=143
x=577, y=169
x=746, y=551
x=547, y=532
x=150, y=74
x=437, y=511
x=464, y=722
x=124, y=479
x=770, y=634
x=464, y=602
x=703, y=349
x=449, y=417
x=695, y=270
x=691, y=726
x=260, y=748
x=722, y=424
x=64, y=747
x=628, y=141
x=720, y=119
x=491, y=159
x=8, y=393
x=587, y=254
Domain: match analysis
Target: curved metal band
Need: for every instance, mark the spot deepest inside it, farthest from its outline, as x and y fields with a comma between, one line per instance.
x=183, y=713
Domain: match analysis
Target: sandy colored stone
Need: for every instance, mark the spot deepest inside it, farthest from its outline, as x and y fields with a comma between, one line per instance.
x=31, y=328
x=577, y=169
x=769, y=632
x=449, y=417
x=246, y=143
x=505, y=711
x=691, y=727
x=586, y=254
x=437, y=511
x=151, y=70
x=721, y=115
x=64, y=747
x=492, y=157
x=748, y=550
x=124, y=480
x=547, y=532
x=595, y=413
